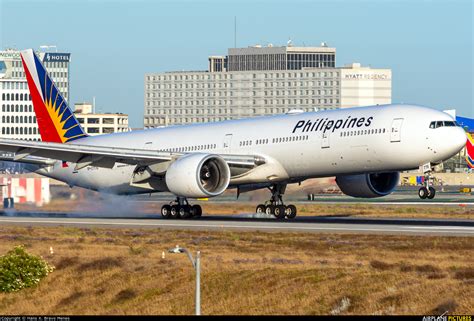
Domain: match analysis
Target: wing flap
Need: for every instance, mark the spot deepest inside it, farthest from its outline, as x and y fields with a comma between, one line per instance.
x=27, y=160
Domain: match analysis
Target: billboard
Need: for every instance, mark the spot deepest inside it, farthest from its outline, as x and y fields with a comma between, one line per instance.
x=56, y=57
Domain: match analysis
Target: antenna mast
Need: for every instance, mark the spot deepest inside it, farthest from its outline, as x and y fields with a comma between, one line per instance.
x=235, y=31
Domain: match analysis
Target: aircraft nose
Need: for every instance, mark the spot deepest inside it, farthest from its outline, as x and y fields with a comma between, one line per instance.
x=458, y=139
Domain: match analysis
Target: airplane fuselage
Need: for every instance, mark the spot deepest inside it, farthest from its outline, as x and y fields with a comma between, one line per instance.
x=295, y=146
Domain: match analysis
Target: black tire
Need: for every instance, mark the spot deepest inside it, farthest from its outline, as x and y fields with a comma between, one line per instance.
x=423, y=193
x=269, y=209
x=196, y=210
x=174, y=213
x=290, y=211
x=184, y=211
x=431, y=192
x=166, y=211
x=279, y=212
x=260, y=209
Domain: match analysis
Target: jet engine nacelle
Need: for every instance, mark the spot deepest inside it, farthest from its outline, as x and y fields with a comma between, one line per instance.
x=368, y=185
x=198, y=175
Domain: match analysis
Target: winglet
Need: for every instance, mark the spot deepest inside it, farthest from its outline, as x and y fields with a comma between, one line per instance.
x=56, y=121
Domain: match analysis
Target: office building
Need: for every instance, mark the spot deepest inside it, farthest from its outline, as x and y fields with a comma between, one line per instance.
x=248, y=83
x=100, y=123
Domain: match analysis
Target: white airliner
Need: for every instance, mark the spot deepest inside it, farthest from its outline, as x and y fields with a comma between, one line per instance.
x=364, y=147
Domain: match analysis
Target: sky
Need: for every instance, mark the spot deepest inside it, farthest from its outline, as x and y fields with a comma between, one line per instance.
x=427, y=44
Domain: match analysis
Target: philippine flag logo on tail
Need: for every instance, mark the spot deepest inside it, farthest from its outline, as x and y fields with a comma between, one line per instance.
x=470, y=151
x=56, y=121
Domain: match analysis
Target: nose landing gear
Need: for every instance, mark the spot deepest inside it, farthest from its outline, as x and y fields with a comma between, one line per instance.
x=427, y=191
x=180, y=209
x=275, y=205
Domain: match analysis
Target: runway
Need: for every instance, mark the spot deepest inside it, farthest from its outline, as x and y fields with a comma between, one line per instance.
x=248, y=222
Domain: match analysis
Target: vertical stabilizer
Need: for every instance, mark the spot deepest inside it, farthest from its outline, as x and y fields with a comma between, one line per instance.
x=470, y=151
x=56, y=121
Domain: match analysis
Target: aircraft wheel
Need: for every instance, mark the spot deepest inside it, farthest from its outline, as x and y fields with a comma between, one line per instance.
x=260, y=209
x=431, y=192
x=174, y=213
x=166, y=211
x=290, y=211
x=269, y=209
x=423, y=192
x=196, y=210
x=279, y=212
x=185, y=211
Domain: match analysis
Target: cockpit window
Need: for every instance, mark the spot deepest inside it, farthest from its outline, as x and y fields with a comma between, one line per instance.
x=437, y=124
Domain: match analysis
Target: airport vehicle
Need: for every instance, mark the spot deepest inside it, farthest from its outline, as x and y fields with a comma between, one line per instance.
x=364, y=147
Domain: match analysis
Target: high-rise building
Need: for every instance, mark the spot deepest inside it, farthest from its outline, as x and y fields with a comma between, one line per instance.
x=17, y=117
x=259, y=81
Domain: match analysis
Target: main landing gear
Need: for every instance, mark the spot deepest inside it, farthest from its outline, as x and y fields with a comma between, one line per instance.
x=180, y=208
x=275, y=205
x=427, y=191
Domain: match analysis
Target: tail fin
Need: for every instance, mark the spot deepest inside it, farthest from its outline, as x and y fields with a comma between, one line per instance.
x=56, y=121
x=470, y=151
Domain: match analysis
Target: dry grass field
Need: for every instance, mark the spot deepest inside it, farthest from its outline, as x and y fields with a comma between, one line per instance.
x=108, y=206
x=120, y=271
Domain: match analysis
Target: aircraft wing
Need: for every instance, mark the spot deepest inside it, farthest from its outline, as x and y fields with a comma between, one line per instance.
x=28, y=159
x=103, y=156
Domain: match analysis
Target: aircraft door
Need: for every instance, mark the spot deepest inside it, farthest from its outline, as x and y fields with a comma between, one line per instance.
x=227, y=143
x=325, y=140
x=395, y=133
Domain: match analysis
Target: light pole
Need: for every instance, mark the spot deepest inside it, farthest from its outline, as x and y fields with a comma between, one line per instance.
x=197, y=267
